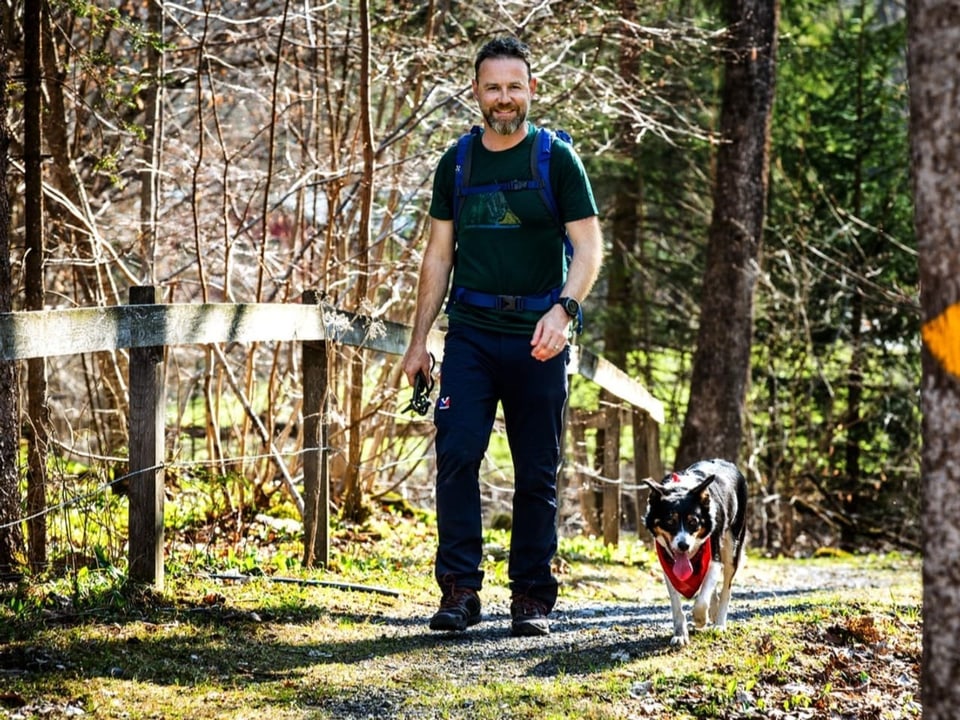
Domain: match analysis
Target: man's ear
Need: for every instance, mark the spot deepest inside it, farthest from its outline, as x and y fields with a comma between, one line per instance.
x=476, y=89
x=533, y=85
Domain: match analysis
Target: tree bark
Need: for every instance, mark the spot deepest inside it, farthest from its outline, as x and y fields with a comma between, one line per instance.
x=721, y=363
x=37, y=426
x=851, y=495
x=934, y=74
x=353, y=491
x=11, y=535
x=153, y=131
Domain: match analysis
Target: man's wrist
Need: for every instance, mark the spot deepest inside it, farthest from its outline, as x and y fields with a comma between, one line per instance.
x=571, y=306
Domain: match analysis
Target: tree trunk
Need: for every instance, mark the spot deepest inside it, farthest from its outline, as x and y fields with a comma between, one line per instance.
x=38, y=413
x=11, y=535
x=853, y=422
x=353, y=492
x=620, y=308
x=721, y=363
x=934, y=69
x=153, y=131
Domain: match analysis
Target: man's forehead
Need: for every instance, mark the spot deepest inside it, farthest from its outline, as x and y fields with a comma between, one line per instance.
x=503, y=66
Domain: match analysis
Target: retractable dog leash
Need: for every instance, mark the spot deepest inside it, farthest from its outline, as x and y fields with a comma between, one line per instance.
x=422, y=387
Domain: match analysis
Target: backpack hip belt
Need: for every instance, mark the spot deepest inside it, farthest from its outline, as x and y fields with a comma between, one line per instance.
x=511, y=303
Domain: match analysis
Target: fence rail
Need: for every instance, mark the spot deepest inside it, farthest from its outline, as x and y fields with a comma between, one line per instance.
x=145, y=328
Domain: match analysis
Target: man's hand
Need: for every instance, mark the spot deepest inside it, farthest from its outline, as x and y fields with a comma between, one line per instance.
x=417, y=360
x=550, y=335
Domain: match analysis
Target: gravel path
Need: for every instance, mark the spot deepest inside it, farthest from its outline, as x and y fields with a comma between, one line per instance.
x=592, y=636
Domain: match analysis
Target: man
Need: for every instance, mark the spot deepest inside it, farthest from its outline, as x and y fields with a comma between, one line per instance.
x=504, y=245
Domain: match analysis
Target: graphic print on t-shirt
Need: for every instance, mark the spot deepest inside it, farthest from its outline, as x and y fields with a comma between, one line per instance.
x=489, y=210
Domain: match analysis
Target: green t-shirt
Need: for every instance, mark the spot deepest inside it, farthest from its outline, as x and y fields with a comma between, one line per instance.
x=507, y=241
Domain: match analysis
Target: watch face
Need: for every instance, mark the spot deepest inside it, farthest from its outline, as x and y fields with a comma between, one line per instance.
x=571, y=306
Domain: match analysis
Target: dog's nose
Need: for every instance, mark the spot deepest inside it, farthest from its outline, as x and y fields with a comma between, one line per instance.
x=683, y=546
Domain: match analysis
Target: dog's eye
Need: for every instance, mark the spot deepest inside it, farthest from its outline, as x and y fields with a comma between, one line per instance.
x=692, y=523
x=671, y=523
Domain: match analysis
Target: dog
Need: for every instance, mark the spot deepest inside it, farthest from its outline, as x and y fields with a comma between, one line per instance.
x=698, y=521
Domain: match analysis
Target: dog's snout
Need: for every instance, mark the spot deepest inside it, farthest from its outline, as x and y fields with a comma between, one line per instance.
x=683, y=545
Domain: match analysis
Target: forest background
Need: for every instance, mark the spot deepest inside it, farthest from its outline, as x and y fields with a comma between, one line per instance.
x=247, y=152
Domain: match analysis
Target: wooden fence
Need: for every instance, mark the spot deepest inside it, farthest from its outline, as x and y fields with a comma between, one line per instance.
x=145, y=328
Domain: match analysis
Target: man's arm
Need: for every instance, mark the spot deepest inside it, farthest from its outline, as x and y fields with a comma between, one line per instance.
x=587, y=241
x=432, y=288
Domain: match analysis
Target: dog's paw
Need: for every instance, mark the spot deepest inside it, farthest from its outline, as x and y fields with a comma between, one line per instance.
x=700, y=615
x=680, y=640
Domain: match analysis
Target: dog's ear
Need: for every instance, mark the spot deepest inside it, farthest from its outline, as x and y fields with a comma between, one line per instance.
x=649, y=482
x=703, y=485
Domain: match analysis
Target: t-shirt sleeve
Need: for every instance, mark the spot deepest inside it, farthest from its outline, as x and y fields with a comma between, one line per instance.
x=571, y=185
x=441, y=202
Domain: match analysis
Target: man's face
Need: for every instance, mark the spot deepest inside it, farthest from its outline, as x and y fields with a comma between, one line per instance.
x=503, y=89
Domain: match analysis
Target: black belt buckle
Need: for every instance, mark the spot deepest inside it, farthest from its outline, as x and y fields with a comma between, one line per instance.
x=511, y=303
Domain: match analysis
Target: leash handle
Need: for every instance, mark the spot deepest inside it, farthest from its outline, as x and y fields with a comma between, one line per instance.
x=422, y=387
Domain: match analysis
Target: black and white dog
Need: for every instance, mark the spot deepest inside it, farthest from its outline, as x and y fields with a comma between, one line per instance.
x=698, y=520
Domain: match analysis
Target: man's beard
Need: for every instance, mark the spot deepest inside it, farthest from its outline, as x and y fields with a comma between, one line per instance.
x=505, y=127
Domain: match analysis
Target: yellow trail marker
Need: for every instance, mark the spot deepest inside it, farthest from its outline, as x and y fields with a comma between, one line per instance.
x=942, y=336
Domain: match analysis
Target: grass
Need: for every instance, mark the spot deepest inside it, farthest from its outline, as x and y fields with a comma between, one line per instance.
x=221, y=649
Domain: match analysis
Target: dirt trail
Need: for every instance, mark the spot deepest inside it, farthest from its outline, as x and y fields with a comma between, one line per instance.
x=627, y=623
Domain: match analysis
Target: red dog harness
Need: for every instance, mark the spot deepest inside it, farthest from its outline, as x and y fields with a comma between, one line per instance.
x=701, y=562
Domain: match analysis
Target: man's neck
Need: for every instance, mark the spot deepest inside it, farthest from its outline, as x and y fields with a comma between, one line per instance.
x=495, y=142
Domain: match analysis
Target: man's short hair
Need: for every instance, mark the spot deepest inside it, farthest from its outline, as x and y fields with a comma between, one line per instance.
x=503, y=47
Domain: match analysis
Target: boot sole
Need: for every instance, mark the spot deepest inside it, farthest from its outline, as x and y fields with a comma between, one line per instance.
x=529, y=629
x=448, y=624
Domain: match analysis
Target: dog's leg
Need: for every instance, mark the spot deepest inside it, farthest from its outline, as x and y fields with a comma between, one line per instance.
x=680, y=635
x=715, y=595
x=721, y=619
x=707, y=591
x=732, y=554
x=714, y=605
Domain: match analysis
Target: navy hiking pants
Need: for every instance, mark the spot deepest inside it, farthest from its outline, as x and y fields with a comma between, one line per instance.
x=481, y=368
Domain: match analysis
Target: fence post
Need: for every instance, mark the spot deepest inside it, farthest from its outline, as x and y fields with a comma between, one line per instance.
x=316, y=485
x=611, y=474
x=646, y=462
x=585, y=484
x=146, y=429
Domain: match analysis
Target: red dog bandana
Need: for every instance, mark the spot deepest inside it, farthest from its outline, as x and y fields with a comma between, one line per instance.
x=701, y=561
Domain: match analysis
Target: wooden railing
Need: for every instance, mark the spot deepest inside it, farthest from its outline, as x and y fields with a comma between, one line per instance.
x=145, y=328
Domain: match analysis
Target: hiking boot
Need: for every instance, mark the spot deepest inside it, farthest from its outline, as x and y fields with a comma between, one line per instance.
x=528, y=617
x=459, y=609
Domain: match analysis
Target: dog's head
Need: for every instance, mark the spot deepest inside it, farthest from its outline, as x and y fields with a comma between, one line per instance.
x=680, y=515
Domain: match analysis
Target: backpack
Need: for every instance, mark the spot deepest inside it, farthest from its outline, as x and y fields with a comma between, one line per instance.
x=539, y=170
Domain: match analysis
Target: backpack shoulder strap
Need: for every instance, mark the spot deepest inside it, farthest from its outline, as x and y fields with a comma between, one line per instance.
x=540, y=168
x=461, y=171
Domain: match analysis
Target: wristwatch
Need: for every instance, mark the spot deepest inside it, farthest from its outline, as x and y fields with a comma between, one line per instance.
x=572, y=308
